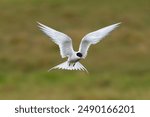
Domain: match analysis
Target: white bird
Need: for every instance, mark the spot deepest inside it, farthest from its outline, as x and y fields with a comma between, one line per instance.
x=65, y=45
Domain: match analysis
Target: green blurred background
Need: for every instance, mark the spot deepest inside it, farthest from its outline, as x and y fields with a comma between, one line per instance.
x=119, y=66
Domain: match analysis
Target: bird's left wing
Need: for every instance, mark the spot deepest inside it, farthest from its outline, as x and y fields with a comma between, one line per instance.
x=62, y=40
x=94, y=37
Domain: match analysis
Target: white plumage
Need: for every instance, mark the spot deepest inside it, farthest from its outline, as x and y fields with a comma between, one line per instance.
x=66, y=49
x=62, y=40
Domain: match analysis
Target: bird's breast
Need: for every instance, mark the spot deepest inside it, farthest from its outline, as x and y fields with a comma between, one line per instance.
x=73, y=59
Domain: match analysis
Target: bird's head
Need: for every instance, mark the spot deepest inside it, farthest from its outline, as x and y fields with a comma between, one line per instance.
x=79, y=54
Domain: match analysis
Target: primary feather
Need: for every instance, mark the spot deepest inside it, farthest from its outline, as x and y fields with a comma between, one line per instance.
x=95, y=37
x=62, y=40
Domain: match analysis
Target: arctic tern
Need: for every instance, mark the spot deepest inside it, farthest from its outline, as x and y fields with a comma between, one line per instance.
x=66, y=49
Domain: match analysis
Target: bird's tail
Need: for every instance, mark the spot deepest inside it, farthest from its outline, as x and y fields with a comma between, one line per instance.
x=69, y=66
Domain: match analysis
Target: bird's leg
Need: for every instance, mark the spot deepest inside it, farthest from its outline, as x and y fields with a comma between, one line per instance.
x=74, y=64
x=69, y=63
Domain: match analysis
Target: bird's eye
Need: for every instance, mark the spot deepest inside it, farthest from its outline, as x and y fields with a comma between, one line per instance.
x=79, y=54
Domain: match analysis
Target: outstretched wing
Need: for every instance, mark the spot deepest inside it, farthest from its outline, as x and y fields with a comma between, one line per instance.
x=62, y=40
x=94, y=37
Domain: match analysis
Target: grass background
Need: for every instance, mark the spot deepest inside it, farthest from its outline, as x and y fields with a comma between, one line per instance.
x=119, y=66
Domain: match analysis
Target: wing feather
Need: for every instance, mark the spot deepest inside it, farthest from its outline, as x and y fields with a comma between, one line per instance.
x=95, y=37
x=62, y=40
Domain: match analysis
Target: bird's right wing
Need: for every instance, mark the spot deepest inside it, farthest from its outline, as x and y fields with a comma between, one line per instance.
x=95, y=37
x=62, y=40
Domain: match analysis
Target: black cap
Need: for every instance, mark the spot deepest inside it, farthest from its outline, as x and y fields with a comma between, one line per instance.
x=79, y=54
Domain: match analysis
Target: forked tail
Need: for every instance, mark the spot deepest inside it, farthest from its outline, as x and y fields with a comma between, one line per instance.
x=67, y=66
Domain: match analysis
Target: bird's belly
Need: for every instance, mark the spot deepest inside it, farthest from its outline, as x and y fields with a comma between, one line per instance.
x=74, y=60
